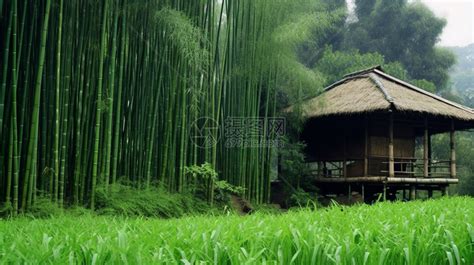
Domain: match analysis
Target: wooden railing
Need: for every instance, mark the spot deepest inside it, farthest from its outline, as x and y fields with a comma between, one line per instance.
x=378, y=166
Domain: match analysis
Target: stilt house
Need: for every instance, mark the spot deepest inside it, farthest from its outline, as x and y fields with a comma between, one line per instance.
x=370, y=133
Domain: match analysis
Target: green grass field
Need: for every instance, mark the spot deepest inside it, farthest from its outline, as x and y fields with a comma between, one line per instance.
x=431, y=232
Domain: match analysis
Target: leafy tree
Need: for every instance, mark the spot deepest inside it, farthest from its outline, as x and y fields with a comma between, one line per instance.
x=402, y=32
x=335, y=64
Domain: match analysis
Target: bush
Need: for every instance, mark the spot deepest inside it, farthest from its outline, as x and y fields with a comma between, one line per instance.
x=126, y=200
x=201, y=179
x=301, y=198
x=44, y=208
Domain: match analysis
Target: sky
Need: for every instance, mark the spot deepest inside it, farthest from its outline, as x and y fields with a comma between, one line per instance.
x=459, y=14
x=460, y=17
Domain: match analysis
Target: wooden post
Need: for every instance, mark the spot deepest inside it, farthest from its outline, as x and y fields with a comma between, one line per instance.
x=444, y=191
x=325, y=170
x=425, y=151
x=384, y=192
x=349, y=195
x=453, y=152
x=320, y=170
x=344, y=162
x=412, y=192
x=391, y=159
x=404, y=194
x=430, y=157
x=430, y=193
x=366, y=147
x=363, y=193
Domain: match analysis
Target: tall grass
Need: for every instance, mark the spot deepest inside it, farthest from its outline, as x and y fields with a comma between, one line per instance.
x=432, y=232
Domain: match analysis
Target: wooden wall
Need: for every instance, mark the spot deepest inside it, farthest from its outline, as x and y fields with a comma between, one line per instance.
x=343, y=138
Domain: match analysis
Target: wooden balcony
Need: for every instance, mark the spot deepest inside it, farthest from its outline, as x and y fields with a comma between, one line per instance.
x=407, y=170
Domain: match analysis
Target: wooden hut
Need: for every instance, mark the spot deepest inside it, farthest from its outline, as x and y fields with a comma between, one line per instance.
x=370, y=133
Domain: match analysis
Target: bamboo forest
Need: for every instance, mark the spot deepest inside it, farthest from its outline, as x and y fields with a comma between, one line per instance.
x=236, y=131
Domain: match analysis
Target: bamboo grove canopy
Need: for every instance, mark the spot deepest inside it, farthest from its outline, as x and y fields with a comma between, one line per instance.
x=372, y=90
x=97, y=91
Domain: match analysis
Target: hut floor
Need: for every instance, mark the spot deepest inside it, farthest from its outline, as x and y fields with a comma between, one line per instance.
x=380, y=179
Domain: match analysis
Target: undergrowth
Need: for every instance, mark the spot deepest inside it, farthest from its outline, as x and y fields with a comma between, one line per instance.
x=126, y=200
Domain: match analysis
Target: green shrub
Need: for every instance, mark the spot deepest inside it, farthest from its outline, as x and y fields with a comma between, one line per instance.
x=201, y=179
x=301, y=198
x=126, y=200
x=44, y=208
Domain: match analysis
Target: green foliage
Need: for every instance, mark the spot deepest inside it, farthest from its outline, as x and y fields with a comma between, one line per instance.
x=424, y=84
x=293, y=166
x=301, y=198
x=303, y=26
x=465, y=164
x=44, y=208
x=123, y=80
x=432, y=232
x=402, y=32
x=200, y=179
x=294, y=173
x=335, y=64
x=125, y=200
x=462, y=74
x=183, y=34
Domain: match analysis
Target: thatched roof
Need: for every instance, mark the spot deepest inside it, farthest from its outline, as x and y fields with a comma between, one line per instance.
x=372, y=90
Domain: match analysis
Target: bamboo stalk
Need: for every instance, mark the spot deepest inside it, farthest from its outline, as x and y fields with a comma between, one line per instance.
x=95, y=165
x=33, y=144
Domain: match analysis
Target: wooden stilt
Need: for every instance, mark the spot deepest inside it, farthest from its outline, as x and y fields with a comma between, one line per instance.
x=425, y=150
x=363, y=193
x=430, y=193
x=412, y=192
x=444, y=191
x=325, y=170
x=384, y=192
x=453, y=152
x=349, y=194
x=391, y=161
x=404, y=197
x=344, y=162
x=430, y=157
x=320, y=169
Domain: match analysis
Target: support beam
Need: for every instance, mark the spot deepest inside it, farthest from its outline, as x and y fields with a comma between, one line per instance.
x=425, y=150
x=453, y=151
x=391, y=159
x=366, y=147
x=384, y=192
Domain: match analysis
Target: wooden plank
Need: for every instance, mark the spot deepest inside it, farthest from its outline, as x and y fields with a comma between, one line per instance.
x=389, y=180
